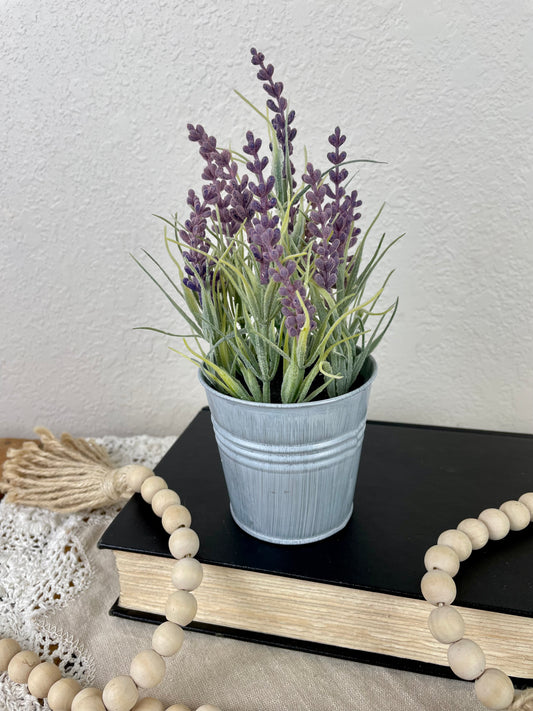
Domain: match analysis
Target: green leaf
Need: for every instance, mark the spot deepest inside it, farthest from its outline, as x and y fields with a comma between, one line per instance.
x=247, y=101
x=292, y=379
x=178, y=308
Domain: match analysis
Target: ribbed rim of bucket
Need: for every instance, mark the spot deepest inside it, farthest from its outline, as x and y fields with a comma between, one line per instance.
x=298, y=405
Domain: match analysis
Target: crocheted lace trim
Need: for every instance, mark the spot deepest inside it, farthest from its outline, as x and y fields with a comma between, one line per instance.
x=45, y=562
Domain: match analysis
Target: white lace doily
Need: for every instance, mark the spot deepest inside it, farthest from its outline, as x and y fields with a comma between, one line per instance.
x=45, y=564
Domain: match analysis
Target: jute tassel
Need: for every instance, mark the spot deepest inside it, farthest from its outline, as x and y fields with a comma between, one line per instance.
x=64, y=475
x=523, y=701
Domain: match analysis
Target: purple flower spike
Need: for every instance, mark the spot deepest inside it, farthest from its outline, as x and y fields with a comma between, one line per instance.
x=263, y=233
x=291, y=307
x=278, y=105
x=331, y=223
x=194, y=236
x=343, y=207
x=320, y=231
x=230, y=201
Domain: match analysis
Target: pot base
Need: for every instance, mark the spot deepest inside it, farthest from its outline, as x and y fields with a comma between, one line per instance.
x=290, y=541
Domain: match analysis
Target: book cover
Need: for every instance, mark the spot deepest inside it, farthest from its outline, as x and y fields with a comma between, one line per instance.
x=414, y=482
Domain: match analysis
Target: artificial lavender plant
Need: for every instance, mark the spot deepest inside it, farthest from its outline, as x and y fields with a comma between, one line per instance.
x=272, y=273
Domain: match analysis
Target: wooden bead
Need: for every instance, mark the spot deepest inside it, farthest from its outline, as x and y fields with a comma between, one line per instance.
x=497, y=523
x=446, y=624
x=175, y=517
x=147, y=669
x=120, y=693
x=162, y=499
x=527, y=500
x=457, y=540
x=181, y=607
x=207, y=707
x=494, y=689
x=187, y=574
x=476, y=531
x=136, y=475
x=183, y=542
x=167, y=639
x=517, y=513
x=62, y=693
x=8, y=649
x=442, y=558
x=20, y=666
x=90, y=703
x=151, y=486
x=466, y=659
x=178, y=707
x=88, y=699
x=438, y=587
x=41, y=678
x=148, y=704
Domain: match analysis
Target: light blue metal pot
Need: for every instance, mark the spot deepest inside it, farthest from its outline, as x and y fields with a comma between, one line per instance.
x=291, y=469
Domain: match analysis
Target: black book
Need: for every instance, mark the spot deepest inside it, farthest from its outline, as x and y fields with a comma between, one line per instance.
x=356, y=594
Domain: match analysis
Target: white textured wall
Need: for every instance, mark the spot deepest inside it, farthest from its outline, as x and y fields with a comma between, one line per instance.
x=94, y=101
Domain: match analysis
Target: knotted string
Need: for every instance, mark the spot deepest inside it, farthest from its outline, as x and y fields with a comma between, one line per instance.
x=523, y=701
x=65, y=475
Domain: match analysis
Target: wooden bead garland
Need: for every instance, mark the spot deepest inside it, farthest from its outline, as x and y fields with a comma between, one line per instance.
x=175, y=517
x=457, y=540
x=151, y=486
x=187, y=574
x=136, y=475
x=120, y=694
x=41, y=679
x=497, y=523
x=88, y=699
x=442, y=558
x=148, y=704
x=8, y=649
x=62, y=693
x=476, y=531
x=184, y=542
x=162, y=499
x=181, y=607
x=518, y=514
x=527, y=500
x=148, y=667
x=438, y=587
x=167, y=639
x=446, y=624
x=466, y=659
x=20, y=666
x=494, y=689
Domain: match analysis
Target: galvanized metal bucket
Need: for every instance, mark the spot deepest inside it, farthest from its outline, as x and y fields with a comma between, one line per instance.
x=291, y=469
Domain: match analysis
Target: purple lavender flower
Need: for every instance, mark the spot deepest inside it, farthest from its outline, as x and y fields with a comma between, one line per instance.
x=330, y=224
x=319, y=230
x=343, y=211
x=291, y=306
x=231, y=200
x=194, y=236
x=264, y=236
x=263, y=233
x=278, y=104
